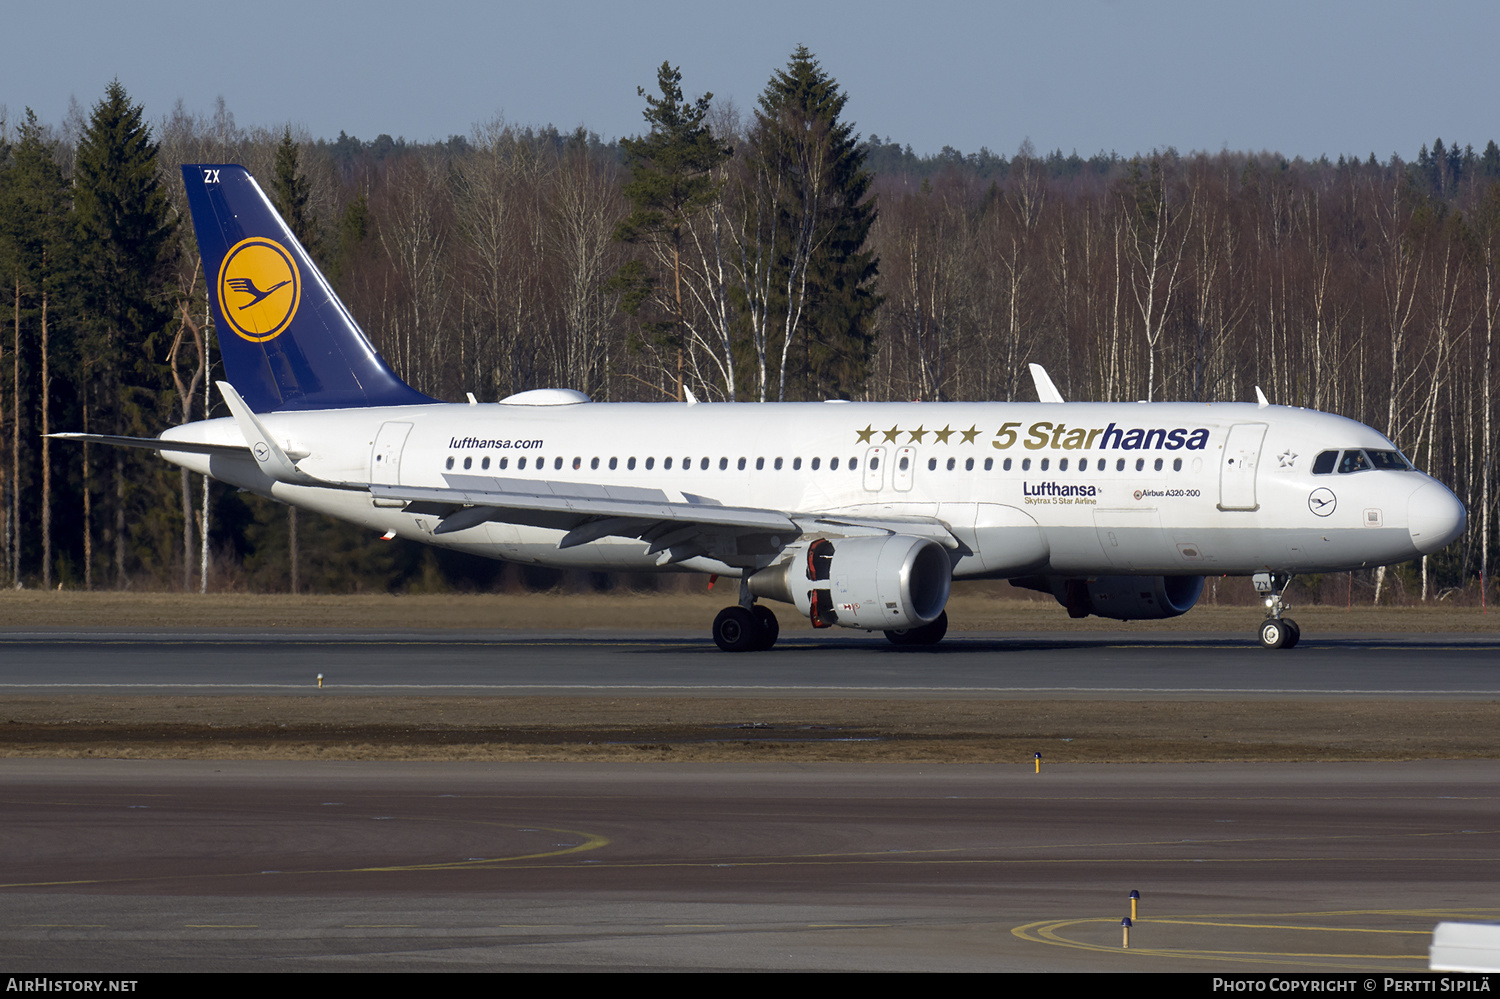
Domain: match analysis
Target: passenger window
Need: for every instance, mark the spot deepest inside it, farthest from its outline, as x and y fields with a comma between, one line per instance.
x=485, y=464
x=874, y=464
x=630, y=464
x=1025, y=464
x=760, y=464
x=1140, y=464
x=815, y=462
x=703, y=465
x=1158, y=464
x=468, y=464
x=796, y=464
x=833, y=464
x=667, y=464
x=1120, y=465
x=577, y=464
x=1045, y=463
x=742, y=464
x=951, y=464
x=1083, y=464
x=1007, y=464
x=969, y=465
x=1062, y=465
x=614, y=463
x=593, y=464
x=1324, y=462
x=450, y=461
x=504, y=462
x=723, y=464
x=778, y=464
x=1176, y=464
x=931, y=464
x=989, y=464
x=650, y=462
x=905, y=463
x=521, y=463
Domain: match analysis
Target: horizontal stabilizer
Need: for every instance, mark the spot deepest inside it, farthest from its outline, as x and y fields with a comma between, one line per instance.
x=157, y=444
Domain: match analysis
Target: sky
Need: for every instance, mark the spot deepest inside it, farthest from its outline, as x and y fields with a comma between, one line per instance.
x=1127, y=76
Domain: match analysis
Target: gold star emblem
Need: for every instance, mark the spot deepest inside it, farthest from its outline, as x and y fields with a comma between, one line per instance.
x=941, y=436
x=917, y=435
x=969, y=434
x=864, y=435
x=890, y=435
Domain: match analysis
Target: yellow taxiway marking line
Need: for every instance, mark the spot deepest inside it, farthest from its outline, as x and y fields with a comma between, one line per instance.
x=1051, y=932
x=591, y=841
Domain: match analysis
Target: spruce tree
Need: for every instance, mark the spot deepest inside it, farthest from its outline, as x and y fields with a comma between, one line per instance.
x=799, y=135
x=127, y=250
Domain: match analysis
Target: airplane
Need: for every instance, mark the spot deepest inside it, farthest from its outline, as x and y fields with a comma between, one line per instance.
x=861, y=515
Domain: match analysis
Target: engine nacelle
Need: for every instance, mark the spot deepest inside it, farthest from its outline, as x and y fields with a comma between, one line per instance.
x=1123, y=598
x=891, y=583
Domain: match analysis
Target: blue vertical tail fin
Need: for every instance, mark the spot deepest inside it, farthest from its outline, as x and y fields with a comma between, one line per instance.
x=288, y=342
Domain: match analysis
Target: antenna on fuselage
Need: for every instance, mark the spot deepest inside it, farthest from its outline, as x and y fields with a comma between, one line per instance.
x=1045, y=390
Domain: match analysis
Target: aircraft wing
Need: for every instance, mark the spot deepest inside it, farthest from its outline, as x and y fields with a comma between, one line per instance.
x=682, y=525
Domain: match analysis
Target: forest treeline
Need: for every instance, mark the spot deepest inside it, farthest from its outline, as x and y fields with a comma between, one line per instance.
x=756, y=256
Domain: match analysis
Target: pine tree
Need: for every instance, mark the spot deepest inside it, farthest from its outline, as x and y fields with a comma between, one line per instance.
x=292, y=192
x=671, y=180
x=799, y=137
x=36, y=215
x=128, y=248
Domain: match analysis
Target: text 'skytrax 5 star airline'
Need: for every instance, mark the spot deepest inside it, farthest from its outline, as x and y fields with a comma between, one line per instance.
x=859, y=514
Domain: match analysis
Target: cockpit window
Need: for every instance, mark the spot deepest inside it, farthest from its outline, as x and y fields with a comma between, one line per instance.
x=1324, y=462
x=1394, y=460
x=1353, y=461
x=1363, y=460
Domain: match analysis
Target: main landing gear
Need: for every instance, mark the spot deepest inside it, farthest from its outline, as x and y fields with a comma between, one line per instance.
x=743, y=628
x=1276, y=632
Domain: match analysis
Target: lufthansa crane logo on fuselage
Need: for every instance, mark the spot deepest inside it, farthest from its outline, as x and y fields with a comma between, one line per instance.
x=259, y=289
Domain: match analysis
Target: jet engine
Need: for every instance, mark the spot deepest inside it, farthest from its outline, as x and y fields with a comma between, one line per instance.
x=1124, y=598
x=891, y=583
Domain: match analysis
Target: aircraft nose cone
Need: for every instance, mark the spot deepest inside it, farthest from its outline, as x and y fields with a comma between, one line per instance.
x=1434, y=516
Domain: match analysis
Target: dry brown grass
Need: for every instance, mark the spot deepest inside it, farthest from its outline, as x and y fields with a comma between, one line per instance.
x=744, y=729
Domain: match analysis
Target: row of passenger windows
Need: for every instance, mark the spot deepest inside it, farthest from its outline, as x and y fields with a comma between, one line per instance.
x=852, y=464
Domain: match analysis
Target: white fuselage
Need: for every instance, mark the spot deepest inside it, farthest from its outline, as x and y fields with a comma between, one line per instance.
x=1026, y=488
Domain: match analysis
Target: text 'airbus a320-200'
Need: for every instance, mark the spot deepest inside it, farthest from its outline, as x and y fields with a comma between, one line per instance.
x=860, y=514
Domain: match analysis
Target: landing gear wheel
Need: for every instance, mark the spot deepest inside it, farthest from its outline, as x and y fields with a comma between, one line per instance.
x=1274, y=634
x=767, y=628
x=927, y=634
x=1294, y=633
x=734, y=630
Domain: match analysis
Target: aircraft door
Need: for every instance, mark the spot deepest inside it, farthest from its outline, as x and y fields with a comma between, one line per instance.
x=385, y=457
x=906, y=466
x=874, y=474
x=1241, y=459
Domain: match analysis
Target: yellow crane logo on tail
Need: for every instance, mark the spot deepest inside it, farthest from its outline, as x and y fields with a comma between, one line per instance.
x=259, y=288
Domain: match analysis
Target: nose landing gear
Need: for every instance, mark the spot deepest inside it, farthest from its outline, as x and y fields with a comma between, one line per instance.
x=1276, y=631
